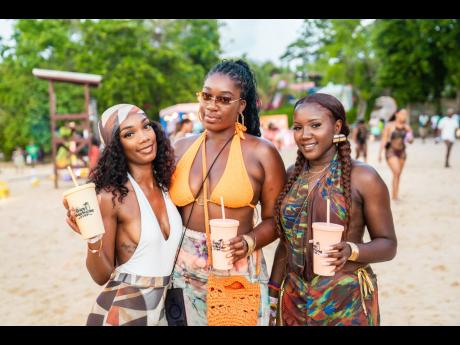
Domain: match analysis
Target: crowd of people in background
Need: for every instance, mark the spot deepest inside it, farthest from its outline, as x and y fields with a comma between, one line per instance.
x=442, y=128
x=31, y=155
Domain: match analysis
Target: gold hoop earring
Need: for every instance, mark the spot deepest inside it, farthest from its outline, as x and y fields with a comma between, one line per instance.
x=242, y=119
x=200, y=116
x=338, y=138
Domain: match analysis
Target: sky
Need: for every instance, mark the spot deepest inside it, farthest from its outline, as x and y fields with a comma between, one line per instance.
x=260, y=39
x=6, y=28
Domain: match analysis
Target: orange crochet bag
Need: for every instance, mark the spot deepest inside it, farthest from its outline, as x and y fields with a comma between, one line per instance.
x=231, y=300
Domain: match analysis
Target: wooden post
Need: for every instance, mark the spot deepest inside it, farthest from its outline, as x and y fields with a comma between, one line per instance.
x=86, y=86
x=53, y=130
x=87, y=120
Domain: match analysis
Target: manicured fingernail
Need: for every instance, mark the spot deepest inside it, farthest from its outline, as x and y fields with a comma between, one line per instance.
x=228, y=255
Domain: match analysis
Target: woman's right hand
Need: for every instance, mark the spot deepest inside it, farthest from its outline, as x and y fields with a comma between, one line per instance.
x=70, y=219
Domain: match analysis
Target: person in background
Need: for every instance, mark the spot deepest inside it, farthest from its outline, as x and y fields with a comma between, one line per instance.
x=448, y=125
x=18, y=159
x=395, y=135
x=273, y=134
x=434, y=126
x=185, y=128
x=93, y=153
x=423, y=123
x=32, y=152
x=360, y=133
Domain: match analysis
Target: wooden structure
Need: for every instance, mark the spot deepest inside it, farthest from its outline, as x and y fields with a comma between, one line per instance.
x=84, y=79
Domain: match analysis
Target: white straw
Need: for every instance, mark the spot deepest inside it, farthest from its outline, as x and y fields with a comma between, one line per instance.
x=328, y=210
x=73, y=176
x=222, y=206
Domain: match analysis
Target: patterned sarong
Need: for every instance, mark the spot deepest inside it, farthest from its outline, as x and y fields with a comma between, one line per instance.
x=340, y=300
x=191, y=274
x=347, y=298
x=130, y=300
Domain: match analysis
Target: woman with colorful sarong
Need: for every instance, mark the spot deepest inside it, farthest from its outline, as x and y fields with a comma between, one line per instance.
x=249, y=170
x=359, y=198
x=135, y=256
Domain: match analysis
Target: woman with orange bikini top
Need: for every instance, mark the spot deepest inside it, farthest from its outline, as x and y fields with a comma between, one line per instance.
x=249, y=170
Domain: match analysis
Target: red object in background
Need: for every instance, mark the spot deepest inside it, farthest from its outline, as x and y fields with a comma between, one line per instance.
x=93, y=155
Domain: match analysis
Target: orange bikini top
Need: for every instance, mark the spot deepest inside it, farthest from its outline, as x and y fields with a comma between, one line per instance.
x=234, y=185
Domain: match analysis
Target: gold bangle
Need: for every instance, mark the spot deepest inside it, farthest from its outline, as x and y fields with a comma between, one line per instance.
x=354, y=251
x=251, y=244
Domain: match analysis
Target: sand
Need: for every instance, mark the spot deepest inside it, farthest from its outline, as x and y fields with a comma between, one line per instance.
x=45, y=281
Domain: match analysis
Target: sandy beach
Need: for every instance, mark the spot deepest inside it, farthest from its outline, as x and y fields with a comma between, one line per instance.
x=45, y=281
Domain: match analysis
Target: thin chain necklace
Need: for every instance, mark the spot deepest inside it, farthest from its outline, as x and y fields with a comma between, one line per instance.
x=320, y=171
x=311, y=177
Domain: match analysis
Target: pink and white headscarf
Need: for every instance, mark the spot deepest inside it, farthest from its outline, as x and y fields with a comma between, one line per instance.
x=112, y=118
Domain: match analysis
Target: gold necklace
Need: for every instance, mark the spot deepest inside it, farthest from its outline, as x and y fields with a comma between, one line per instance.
x=318, y=172
x=310, y=177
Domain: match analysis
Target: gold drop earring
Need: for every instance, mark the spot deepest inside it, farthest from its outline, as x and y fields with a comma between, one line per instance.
x=338, y=138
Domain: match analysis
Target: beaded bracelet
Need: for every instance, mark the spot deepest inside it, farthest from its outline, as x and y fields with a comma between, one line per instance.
x=274, y=285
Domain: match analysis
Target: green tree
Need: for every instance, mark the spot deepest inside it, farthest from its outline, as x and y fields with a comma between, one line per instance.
x=411, y=59
x=340, y=51
x=266, y=75
x=448, y=38
x=152, y=63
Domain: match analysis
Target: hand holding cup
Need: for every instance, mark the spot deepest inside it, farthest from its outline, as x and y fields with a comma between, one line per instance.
x=340, y=252
x=238, y=248
x=70, y=218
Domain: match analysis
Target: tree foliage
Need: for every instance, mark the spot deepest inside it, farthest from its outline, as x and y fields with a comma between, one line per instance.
x=150, y=63
x=413, y=60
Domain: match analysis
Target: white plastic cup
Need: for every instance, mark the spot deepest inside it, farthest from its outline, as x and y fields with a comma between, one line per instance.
x=222, y=230
x=88, y=215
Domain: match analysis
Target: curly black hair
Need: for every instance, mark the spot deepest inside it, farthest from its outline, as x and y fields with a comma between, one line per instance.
x=240, y=72
x=111, y=172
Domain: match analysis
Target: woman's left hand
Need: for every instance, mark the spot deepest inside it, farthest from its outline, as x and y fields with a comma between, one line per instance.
x=237, y=249
x=341, y=252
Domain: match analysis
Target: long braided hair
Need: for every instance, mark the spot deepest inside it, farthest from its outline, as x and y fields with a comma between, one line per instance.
x=240, y=72
x=338, y=113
